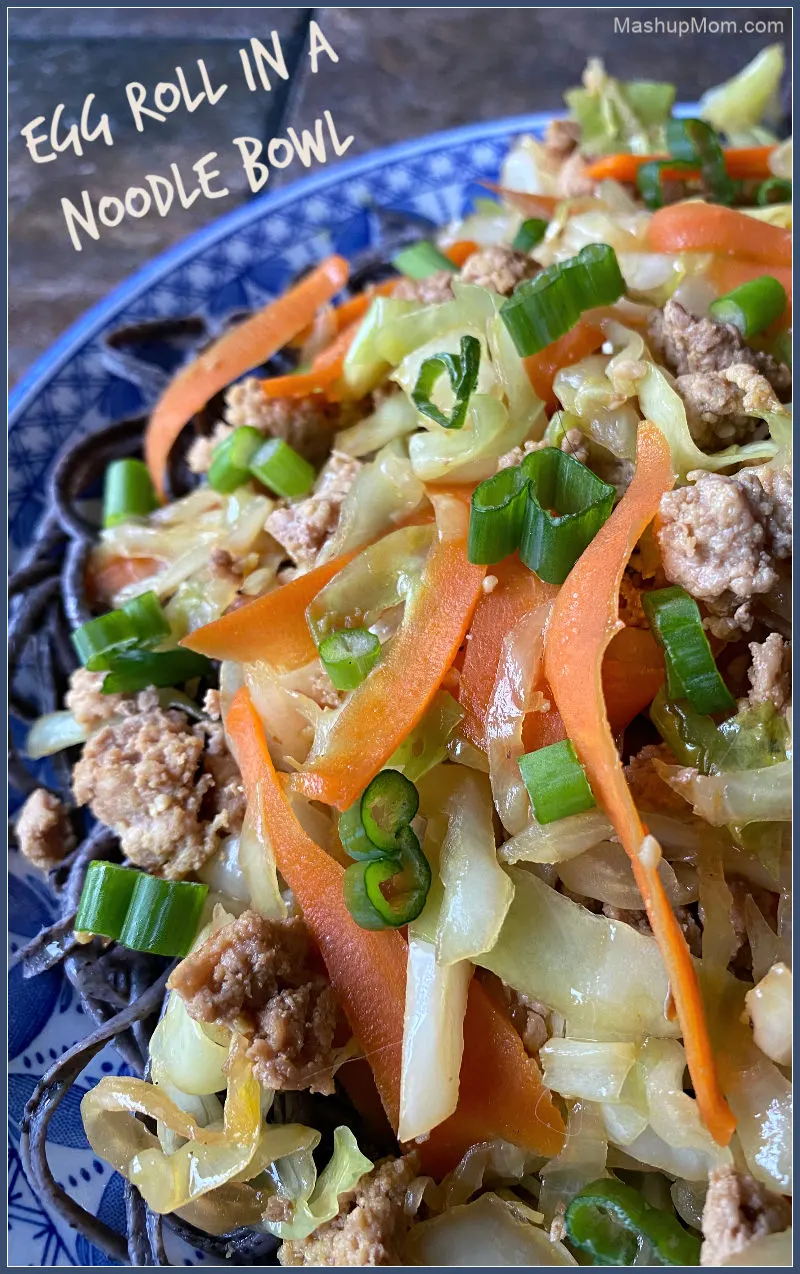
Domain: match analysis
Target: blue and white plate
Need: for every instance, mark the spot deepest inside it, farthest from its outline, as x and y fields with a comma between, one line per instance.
x=240, y=262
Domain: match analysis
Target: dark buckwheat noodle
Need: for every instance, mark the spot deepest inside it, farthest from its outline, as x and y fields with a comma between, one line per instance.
x=121, y=991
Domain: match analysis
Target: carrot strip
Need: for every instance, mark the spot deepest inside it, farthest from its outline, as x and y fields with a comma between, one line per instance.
x=583, y=339
x=105, y=580
x=633, y=672
x=727, y=273
x=460, y=250
x=584, y=618
x=239, y=350
x=743, y=162
x=272, y=627
x=501, y=1093
x=518, y=591
x=325, y=370
x=394, y=697
x=702, y=227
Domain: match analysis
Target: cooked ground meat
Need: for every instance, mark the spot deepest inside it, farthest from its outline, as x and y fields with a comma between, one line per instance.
x=431, y=290
x=770, y=672
x=648, y=789
x=252, y=977
x=87, y=703
x=561, y=138
x=737, y=1210
x=302, y=528
x=371, y=1223
x=499, y=268
x=631, y=611
x=688, y=345
x=43, y=831
x=201, y=452
x=573, y=442
x=573, y=179
x=223, y=566
x=719, y=539
x=149, y=777
x=307, y=424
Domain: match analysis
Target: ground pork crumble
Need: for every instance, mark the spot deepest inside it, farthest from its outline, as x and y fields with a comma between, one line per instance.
x=303, y=528
x=169, y=789
x=770, y=672
x=737, y=1210
x=721, y=539
x=371, y=1224
x=724, y=384
x=43, y=830
x=252, y=977
x=499, y=268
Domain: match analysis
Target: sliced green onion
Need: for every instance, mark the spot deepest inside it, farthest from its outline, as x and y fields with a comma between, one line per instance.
x=148, y=618
x=497, y=510
x=391, y=892
x=462, y=370
x=611, y=1222
x=280, y=468
x=140, y=622
x=353, y=837
x=650, y=179
x=692, y=673
x=531, y=232
x=133, y=670
x=163, y=916
x=551, y=543
x=142, y=912
x=549, y=305
x=105, y=899
x=774, y=190
x=349, y=655
x=388, y=805
x=556, y=782
x=230, y=462
x=128, y=492
x=694, y=142
x=421, y=259
x=99, y=638
x=751, y=307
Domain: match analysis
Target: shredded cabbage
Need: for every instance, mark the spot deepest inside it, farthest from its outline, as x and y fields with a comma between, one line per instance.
x=477, y=891
x=315, y=1200
x=617, y=116
x=586, y=1069
x=384, y=492
x=186, y=1054
x=769, y=1005
x=433, y=1038
x=780, y=161
x=738, y=107
x=393, y=418
x=469, y=454
x=743, y=796
x=209, y=1159
x=581, y=1160
x=664, y=406
x=427, y=744
x=381, y=577
x=606, y=979
x=604, y=872
x=52, y=733
x=490, y=1232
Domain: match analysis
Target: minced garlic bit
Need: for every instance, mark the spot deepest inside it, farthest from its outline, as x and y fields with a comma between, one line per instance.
x=489, y=584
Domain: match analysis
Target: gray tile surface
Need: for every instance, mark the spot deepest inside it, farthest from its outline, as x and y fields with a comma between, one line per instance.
x=401, y=73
